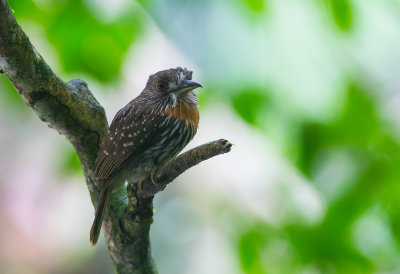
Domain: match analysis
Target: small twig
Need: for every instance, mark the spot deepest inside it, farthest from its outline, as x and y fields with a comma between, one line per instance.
x=135, y=223
x=182, y=163
x=73, y=111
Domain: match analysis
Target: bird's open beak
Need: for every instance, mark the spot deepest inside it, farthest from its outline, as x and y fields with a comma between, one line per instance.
x=187, y=86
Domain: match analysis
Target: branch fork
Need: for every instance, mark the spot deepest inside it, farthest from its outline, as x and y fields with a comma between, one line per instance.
x=72, y=110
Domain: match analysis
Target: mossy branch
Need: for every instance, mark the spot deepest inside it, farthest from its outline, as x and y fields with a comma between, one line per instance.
x=182, y=163
x=72, y=110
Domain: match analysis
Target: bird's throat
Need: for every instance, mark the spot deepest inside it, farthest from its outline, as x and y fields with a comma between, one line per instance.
x=186, y=112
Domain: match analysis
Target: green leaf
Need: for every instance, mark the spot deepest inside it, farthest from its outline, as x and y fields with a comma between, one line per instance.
x=342, y=13
x=70, y=163
x=9, y=97
x=83, y=41
x=357, y=127
x=24, y=8
x=255, y=5
x=250, y=104
x=86, y=44
x=250, y=248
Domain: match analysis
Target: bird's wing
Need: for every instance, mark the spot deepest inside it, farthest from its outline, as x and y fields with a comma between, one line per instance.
x=131, y=133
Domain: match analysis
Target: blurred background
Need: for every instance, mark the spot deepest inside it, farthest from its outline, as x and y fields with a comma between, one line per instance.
x=307, y=90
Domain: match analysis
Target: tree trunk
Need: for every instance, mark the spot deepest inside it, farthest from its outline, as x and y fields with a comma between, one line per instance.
x=72, y=110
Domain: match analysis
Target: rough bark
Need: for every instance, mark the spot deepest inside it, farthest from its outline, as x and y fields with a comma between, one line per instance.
x=72, y=110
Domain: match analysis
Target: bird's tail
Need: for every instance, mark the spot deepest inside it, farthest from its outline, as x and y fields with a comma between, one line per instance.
x=98, y=219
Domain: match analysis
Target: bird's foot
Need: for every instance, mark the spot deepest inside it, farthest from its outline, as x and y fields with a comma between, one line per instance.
x=154, y=177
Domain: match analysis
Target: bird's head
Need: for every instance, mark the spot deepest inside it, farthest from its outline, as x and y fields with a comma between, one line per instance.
x=174, y=83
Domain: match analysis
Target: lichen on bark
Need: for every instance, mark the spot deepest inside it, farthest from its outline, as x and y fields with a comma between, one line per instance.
x=72, y=110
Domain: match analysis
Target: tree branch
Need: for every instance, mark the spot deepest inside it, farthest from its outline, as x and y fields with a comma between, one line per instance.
x=72, y=110
x=182, y=163
x=133, y=232
x=69, y=108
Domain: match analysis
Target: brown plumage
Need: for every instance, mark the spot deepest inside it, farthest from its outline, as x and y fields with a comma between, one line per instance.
x=146, y=134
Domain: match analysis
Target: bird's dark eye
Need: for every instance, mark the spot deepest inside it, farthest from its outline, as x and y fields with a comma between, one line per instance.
x=161, y=86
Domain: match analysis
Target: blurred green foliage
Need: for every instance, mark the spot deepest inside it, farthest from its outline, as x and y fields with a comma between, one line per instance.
x=9, y=98
x=251, y=245
x=250, y=104
x=72, y=28
x=70, y=163
x=356, y=130
x=341, y=13
x=329, y=245
x=255, y=5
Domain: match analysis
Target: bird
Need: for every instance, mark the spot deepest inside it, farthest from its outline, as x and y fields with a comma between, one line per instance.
x=145, y=135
